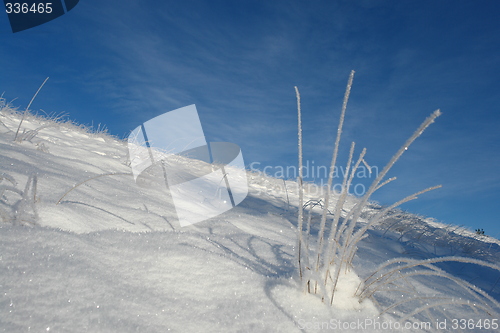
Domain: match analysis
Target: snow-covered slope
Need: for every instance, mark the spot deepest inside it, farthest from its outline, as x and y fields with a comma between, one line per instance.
x=85, y=249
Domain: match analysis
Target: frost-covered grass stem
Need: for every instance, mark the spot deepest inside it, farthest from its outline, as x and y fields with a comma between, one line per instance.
x=301, y=186
x=27, y=108
x=332, y=170
x=341, y=244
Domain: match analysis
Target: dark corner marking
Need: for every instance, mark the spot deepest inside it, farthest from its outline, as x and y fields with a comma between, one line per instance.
x=27, y=14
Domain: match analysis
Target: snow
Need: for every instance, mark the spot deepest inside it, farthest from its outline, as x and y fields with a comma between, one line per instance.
x=109, y=255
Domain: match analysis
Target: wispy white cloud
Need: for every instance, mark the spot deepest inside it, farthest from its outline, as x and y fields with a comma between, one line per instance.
x=238, y=61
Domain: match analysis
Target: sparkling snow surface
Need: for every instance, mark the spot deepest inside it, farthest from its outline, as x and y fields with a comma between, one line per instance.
x=111, y=257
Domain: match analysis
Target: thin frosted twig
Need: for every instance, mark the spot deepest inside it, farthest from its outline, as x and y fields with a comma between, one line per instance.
x=385, y=182
x=395, y=305
x=451, y=302
x=357, y=236
x=27, y=108
x=375, y=184
x=28, y=201
x=332, y=244
x=98, y=176
x=29, y=135
x=335, y=235
x=401, y=150
x=332, y=168
x=427, y=262
x=435, y=271
x=392, y=225
x=301, y=185
x=353, y=222
x=341, y=200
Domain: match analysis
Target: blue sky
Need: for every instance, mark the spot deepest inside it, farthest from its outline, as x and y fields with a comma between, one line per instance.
x=122, y=63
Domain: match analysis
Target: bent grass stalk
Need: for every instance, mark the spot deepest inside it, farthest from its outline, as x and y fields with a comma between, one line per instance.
x=332, y=168
x=301, y=186
x=348, y=238
x=479, y=299
x=95, y=177
x=23, y=210
x=27, y=108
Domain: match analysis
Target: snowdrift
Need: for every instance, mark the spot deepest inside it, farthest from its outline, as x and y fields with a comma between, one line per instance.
x=83, y=248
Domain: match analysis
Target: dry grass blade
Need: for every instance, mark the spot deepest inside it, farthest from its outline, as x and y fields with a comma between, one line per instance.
x=27, y=109
x=98, y=176
x=301, y=187
x=477, y=299
x=332, y=168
